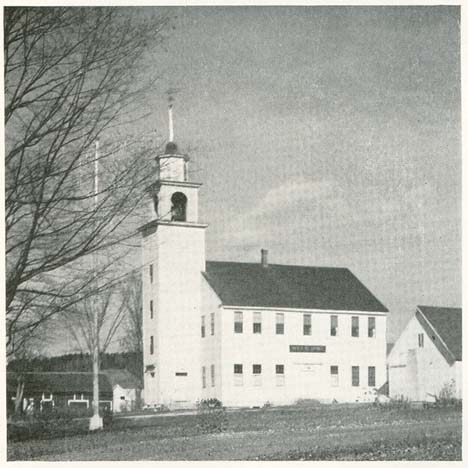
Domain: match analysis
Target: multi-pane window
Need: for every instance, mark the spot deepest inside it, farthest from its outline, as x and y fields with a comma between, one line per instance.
x=238, y=375
x=257, y=374
x=354, y=326
x=371, y=327
x=355, y=376
x=151, y=309
x=257, y=322
x=212, y=323
x=203, y=376
x=202, y=326
x=334, y=376
x=280, y=324
x=212, y=375
x=151, y=273
x=421, y=340
x=333, y=325
x=279, y=369
x=307, y=324
x=371, y=376
x=238, y=322
x=151, y=344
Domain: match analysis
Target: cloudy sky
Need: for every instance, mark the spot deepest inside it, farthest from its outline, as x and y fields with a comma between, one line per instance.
x=328, y=135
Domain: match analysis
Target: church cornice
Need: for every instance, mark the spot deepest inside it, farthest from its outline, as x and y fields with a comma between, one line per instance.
x=152, y=226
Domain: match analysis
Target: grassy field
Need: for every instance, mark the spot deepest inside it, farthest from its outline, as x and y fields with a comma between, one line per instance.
x=328, y=432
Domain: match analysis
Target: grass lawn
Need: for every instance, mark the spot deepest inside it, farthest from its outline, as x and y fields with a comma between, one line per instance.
x=328, y=432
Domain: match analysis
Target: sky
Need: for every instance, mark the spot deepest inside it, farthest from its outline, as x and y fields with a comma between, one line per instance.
x=328, y=135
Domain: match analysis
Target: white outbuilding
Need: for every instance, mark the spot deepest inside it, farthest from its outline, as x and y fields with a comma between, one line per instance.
x=247, y=333
x=426, y=361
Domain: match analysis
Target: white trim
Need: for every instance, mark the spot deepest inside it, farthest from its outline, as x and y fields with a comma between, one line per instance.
x=318, y=311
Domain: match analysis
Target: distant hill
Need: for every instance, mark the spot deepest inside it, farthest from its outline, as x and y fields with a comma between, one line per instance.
x=79, y=362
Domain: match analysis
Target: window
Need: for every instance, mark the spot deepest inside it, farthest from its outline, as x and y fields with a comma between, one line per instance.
x=151, y=345
x=280, y=324
x=181, y=374
x=307, y=325
x=334, y=376
x=371, y=327
x=179, y=207
x=371, y=376
x=203, y=326
x=151, y=309
x=354, y=326
x=212, y=323
x=421, y=340
x=212, y=375
x=203, y=376
x=279, y=369
x=257, y=374
x=355, y=376
x=151, y=273
x=257, y=322
x=238, y=375
x=238, y=322
x=333, y=325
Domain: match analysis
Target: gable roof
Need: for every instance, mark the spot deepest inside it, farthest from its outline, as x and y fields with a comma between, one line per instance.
x=447, y=323
x=289, y=286
x=122, y=377
x=58, y=382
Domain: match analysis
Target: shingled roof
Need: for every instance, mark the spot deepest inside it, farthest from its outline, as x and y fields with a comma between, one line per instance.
x=447, y=323
x=289, y=286
x=60, y=382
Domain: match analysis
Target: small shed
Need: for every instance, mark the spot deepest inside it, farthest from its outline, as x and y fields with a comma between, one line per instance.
x=126, y=389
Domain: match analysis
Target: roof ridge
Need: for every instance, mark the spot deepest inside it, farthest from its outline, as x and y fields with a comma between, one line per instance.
x=279, y=265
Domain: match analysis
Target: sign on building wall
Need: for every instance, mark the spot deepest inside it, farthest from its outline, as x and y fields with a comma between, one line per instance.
x=307, y=349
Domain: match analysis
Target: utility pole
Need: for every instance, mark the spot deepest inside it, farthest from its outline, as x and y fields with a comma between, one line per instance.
x=95, y=422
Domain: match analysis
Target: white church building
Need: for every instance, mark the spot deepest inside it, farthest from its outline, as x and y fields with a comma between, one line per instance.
x=246, y=333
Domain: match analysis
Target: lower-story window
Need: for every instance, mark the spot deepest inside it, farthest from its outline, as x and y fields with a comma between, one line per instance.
x=257, y=375
x=355, y=376
x=238, y=375
x=279, y=369
x=334, y=376
x=371, y=376
x=212, y=375
x=203, y=374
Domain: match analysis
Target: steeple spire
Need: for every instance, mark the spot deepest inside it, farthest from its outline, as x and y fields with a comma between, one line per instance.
x=171, y=122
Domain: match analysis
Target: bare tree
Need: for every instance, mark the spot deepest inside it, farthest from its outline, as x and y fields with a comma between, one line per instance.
x=80, y=325
x=71, y=76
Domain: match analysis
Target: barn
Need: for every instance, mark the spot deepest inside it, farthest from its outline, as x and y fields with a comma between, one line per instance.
x=426, y=361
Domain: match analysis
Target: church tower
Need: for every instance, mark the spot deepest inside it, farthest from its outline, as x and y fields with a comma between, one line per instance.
x=173, y=259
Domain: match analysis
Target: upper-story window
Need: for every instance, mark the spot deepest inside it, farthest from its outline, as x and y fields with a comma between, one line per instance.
x=354, y=326
x=238, y=322
x=280, y=324
x=151, y=309
x=371, y=327
x=151, y=272
x=203, y=326
x=307, y=324
x=333, y=325
x=212, y=323
x=421, y=340
x=257, y=322
x=179, y=207
x=151, y=345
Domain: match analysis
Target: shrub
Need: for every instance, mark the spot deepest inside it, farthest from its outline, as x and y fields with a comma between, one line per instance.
x=447, y=395
x=212, y=416
x=399, y=402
